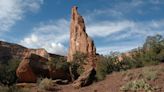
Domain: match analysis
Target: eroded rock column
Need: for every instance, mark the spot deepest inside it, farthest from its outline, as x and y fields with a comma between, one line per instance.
x=79, y=40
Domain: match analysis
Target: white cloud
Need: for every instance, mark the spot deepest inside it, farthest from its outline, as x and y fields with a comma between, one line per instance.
x=51, y=36
x=101, y=13
x=2, y=39
x=106, y=28
x=12, y=10
x=116, y=31
x=33, y=5
x=116, y=11
x=57, y=48
x=31, y=40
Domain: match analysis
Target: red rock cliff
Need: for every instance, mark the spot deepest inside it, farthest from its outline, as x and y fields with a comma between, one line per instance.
x=11, y=50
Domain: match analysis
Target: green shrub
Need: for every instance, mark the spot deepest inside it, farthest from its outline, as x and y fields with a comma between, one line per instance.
x=74, y=70
x=8, y=72
x=62, y=65
x=80, y=58
x=76, y=65
x=137, y=85
x=129, y=62
x=150, y=74
x=59, y=63
x=13, y=89
x=142, y=58
x=46, y=84
x=101, y=70
x=153, y=48
x=4, y=89
x=104, y=66
x=80, y=70
x=160, y=56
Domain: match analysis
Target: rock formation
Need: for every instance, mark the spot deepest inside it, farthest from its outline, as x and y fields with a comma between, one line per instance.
x=32, y=62
x=79, y=40
x=85, y=79
x=10, y=50
x=32, y=67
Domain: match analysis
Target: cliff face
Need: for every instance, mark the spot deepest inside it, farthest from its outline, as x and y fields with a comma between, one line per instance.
x=10, y=50
x=79, y=40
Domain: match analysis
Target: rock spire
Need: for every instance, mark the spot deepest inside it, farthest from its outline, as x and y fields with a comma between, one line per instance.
x=79, y=40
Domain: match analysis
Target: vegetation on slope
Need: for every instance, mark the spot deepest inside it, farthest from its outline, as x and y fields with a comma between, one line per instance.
x=151, y=53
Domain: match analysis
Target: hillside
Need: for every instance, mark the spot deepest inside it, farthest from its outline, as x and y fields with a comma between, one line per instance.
x=152, y=75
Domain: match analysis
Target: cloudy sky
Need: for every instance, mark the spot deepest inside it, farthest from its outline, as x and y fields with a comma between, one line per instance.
x=114, y=25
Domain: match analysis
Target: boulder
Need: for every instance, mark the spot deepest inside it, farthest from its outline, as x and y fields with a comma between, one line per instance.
x=32, y=67
x=85, y=79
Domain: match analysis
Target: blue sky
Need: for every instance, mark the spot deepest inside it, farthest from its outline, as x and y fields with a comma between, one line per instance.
x=114, y=25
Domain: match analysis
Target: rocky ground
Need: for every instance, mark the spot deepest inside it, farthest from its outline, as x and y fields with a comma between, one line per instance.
x=152, y=75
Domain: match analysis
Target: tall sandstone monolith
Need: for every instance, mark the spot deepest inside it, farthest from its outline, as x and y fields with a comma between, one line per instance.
x=79, y=40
